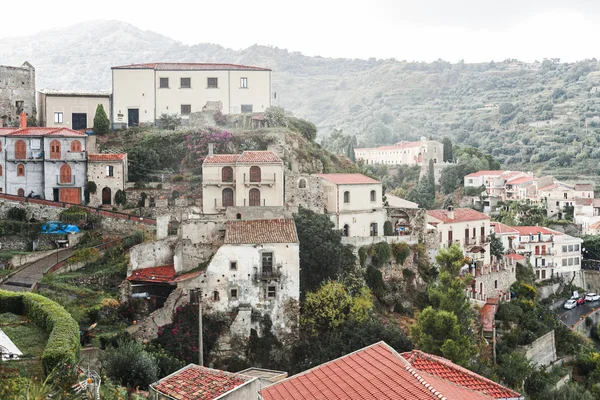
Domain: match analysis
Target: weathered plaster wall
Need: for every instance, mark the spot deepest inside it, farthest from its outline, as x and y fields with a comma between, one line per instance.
x=310, y=196
x=152, y=254
x=257, y=213
x=543, y=351
x=17, y=84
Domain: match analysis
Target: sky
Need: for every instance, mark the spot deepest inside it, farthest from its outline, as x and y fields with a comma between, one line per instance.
x=413, y=30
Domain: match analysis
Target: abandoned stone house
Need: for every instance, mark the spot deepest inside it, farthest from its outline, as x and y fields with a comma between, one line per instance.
x=17, y=93
x=109, y=172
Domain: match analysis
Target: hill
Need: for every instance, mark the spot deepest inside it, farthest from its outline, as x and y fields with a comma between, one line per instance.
x=541, y=117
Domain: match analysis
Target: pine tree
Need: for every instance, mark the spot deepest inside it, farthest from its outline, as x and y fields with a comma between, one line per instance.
x=101, y=122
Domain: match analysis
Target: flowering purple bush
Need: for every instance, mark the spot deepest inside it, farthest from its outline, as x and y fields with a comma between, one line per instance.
x=197, y=145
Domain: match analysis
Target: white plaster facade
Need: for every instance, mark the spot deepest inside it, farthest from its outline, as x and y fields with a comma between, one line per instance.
x=403, y=153
x=73, y=110
x=250, y=179
x=148, y=90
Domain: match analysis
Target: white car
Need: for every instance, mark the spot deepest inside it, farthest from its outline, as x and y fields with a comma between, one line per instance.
x=570, y=304
x=592, y=297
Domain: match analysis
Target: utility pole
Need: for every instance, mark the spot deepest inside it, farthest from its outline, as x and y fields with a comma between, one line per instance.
x=200, y=349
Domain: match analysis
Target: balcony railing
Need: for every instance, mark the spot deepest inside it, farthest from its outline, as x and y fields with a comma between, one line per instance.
x=62, y=182
x=545, y=253
x=218, y=182
x=264, y=180
x=35, y=155
x=266, y=275
x=74, y=155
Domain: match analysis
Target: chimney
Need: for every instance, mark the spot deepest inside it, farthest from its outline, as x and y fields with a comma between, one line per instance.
x=23, y=120
x=450, y=212
x=210, y=149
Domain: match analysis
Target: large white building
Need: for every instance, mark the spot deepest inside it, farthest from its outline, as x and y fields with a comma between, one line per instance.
x=250, y=179
x=403, y=153
x=354, y=204
x=142, y=92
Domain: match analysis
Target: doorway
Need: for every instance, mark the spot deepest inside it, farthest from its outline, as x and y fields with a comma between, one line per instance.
x=106, y=196
x=133, y=117
x=78, y=121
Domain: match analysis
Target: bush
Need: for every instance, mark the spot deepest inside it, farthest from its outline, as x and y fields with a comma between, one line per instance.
x=17, y=214
x=139, y=185
x=169, y=121
x=220, y=118
x=120, y=197
x=401, y=251
x=177, y=178
x=101, y=122
x=380, y=253
x=388, y=229
x=275, y=116
x=130, y=364
x=63, y=332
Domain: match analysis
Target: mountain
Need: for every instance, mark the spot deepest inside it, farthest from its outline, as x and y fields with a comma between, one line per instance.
x=542, y=117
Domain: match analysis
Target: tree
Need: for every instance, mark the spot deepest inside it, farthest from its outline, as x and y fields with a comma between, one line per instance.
x=513, y=369
x=570, y=391
x=320, y=249
x=306, y=128
x=169, y=121
x=496, y=246
x=90, y=187
x=438, y=332
x=350, y=152
x=275, y=116
x=451, y=259
x=143, y=161
x=130, y=364
x=101, y=122
x=388, y=229
x=448, y=294
x=448, y=152
x=120, y=197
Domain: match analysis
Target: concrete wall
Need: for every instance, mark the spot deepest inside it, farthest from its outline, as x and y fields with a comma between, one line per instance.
x=152, y=254
x=48, y=104
x=16, y=84
x=543, y=351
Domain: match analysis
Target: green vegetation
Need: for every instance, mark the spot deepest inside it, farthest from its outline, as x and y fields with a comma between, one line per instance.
x=101, y=122
x=28, y=337
x=169, y=121
x=130, y=364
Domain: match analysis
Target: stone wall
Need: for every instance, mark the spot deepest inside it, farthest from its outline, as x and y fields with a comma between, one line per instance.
x=257, y=213
x=543, y=351
x=304, y=190
x=543, y=292
x=17, y=84
x=592, y=280
x=152, y=254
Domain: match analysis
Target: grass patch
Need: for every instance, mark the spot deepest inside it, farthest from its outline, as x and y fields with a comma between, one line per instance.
x=8, y=254
x=27, y=336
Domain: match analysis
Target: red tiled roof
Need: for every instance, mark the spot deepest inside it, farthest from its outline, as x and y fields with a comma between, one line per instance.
x=534, y=230
x=515, y=256
x=37, y=131
x=584, y=187
x=375, y=372
x=500, y=228
x=199, y=383
x=162, y=274
x=259, y=157
x=460, y=215
x=395, y=146
x=520, y=180
x=447, y=370
x=485, y=172
x=487, y=316
x=222, y=159
x=348, y=179
x=167, y=66
x=106, y=157
x=261, y=231
x=595, y=225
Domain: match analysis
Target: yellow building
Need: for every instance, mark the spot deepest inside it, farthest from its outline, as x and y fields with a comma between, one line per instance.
x=142, y=92
x=73, y=110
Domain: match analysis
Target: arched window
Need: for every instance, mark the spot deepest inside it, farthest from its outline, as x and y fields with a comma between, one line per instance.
x=254, y=198
x=373, y=195
x=216, y=296
x=227, y=197
x=238, y=216
x=346, y=197
x=20, y=150
x=55, y=150
x=374, y=229
x=227, y=174
x=106, y=196
x=346, y=231
x=65, y=173
x=20, y=170
x=255, y=174
x=173, y=227
x=302, y=183
x=75, y=146
x=21, y=192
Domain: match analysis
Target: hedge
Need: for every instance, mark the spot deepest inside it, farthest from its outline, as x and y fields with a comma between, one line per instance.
x=63, y=331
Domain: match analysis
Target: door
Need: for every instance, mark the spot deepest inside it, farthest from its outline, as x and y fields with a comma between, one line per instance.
x=254, y=198
x=70, y=195
x=133, y=117
x=106, y=195
x=78, y=121
x=55, y=195
x=227, y=197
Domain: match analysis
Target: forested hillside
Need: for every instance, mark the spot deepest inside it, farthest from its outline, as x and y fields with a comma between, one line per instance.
x=542, y=117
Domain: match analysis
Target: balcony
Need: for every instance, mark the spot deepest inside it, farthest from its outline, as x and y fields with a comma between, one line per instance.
x=62, y=182
x=219, y=204
x=217, y=182
x=35, y=155
x=546, y=252
x=268, y=274
x=74, y=155
x=264, y=180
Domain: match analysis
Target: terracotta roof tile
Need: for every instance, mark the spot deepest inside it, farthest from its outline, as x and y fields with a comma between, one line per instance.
x=259, y=157
x=515, y=256
x=460, y=215
x=534, y=230
x=447, y=370
x=167, y=66
x=261, y=231
x=199, y=383
x=162, y=274
x=518, y=181
x=486, y=172
x=36, y=131
x=348, y=179
x=221, y=159
x=500, y=228
x=398, y=146
x=585, y=187
x=375, y=372
x=106, y=157
x=595, y=225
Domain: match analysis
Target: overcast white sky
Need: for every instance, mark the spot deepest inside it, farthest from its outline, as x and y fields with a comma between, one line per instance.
x=421, y=30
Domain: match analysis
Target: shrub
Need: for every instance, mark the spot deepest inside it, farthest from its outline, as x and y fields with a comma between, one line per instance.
x=169, y=121
x=101, y=122
x=220, y=118
x=159, y=186
x=139, y=185
x=136, y=238
x=177, y=178
x=73, y=215
x=400, y=251
x=120, y=197
x=388, y=229
x=17, y=214
x=63, y=332
x=275, y=116
x=380, y=253
x=130, y=364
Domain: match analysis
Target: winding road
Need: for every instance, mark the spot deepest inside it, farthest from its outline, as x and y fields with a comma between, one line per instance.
x=571, y=317
x=27, y=277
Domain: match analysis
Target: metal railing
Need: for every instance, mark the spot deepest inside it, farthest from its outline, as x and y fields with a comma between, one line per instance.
x=267, y=274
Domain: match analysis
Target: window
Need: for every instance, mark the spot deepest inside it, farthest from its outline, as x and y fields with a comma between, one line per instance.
x=233, y=266
x=576, y=261
x=212, y=83
x=58, y=118
x=75, y=146
x=0, y=146
x=233, y=293
x=570, y=247
x=565, y=249
x=302, y=184
x=565, y=194
x=570, y=261
x=55, y=150
x=576, y=247
x=195, y=296
x=244, y=83
x=564, y=262
x=21, y=192
x=185, y=83
x=373, y=195
x=470, y=180
x=254, y=198
x=346, y=197
x=65, y=174
x=186, y=109
x=164, y=83
x=255, y=175
x=374, y=229
x=110, y=170
x=267, y=263
x=20, y=150
x=238, y=216
x=246, y=108
x=20, y=170
x=0, y=170
x=495, y=284
x=227, y=174
x=271, y=292
x=227, y=197
x=543, y=274
x=216, y=295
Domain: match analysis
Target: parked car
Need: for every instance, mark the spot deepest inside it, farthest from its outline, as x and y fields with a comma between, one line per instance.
x=592, y=297
x=570, y=304
x=580, y=301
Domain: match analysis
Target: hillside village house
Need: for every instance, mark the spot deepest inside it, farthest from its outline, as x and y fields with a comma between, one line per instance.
x=109, y=173
x=17, y=93
x=142, y=92
x=354, y=204
x=73, y=110
x=50, y=162
x=250, y=179
x=403, y=153
x=558, y=195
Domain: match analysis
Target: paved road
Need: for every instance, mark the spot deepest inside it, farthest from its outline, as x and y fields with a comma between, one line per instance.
x=570, y=317
x=26, y=278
